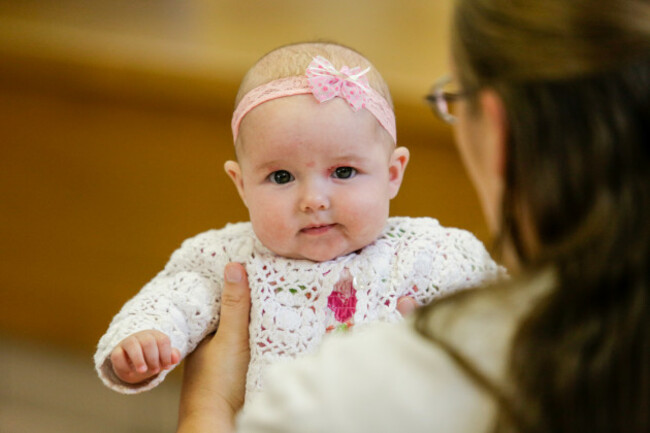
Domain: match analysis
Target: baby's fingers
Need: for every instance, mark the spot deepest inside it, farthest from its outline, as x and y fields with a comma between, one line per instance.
x=135, y=354
x=149, y=342
x=143, y=355
x=121, y=364
x=176, y=356
x=168, y=356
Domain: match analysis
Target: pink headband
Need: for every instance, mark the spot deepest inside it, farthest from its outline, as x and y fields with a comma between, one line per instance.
x=325, y=82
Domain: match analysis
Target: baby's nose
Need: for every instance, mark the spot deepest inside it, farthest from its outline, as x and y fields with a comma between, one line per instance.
x=314, y=198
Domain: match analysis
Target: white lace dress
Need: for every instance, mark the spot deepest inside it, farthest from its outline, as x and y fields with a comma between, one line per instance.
x=295, y=303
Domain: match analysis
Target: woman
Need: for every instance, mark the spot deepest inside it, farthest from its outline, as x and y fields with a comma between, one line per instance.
x=552, y=118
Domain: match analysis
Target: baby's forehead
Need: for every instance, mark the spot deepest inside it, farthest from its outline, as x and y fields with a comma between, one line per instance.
x=300, y=117
x=272, y=152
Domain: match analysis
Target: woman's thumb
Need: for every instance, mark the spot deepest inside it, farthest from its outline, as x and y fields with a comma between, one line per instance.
x=235, y=302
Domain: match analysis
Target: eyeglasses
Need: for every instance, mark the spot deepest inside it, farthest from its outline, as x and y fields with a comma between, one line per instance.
x=442, y=101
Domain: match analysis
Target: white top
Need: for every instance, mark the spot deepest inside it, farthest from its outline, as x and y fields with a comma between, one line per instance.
x=390, y=379
x=295, y=302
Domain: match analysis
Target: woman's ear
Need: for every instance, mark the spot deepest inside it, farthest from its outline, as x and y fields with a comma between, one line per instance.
x=397, y=165
x=490, y=159
x=233, y=170
x=496, y=130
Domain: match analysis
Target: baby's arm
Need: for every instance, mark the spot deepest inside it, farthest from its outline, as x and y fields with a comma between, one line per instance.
x=182, y=302
x=143, y=355
x=182, y=305
x=435, y=261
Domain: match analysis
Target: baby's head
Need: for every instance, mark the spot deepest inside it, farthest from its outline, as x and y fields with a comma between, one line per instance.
x=316, y=177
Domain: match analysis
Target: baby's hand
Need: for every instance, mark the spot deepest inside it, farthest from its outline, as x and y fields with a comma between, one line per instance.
x=143, y=355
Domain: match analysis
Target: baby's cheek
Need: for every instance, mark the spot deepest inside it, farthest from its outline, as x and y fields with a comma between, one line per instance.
x=267, y=213
x=368, y=217
x=271, y=227
x=368, y=204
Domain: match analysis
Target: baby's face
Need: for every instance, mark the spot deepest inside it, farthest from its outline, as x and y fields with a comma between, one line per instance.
x=317, y=178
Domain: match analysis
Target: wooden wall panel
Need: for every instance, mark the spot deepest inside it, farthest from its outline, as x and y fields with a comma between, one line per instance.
x=107, y=166
x=95, y=197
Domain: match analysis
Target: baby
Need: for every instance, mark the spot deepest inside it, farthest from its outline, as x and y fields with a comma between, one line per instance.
x=317, y=165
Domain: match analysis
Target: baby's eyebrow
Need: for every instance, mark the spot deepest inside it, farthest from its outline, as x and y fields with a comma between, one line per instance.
x=354, y=158
x=270, y=165
x=283, y=164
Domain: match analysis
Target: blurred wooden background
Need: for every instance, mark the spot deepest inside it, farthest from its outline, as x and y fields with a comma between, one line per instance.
x=114, y=126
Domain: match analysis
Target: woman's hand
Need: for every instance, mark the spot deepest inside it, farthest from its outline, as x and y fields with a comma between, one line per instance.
x=214, y=376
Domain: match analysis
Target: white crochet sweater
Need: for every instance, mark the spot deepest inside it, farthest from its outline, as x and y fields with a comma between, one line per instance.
x=295, y=302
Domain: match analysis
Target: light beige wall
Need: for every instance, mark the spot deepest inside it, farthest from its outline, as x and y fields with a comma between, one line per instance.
x=115, y=125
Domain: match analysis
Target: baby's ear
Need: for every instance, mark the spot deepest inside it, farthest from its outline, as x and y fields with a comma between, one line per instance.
x=397, y=165
x=234, y=172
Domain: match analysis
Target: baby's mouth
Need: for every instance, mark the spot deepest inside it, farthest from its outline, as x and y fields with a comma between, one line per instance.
x=317, y=229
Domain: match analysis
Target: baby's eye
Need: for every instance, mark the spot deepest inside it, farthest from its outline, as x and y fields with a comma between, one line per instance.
x=344, y=172
x=281, y=177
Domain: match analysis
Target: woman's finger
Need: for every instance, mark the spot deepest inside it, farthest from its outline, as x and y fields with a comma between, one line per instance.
x=235, y=306
x=406, y=305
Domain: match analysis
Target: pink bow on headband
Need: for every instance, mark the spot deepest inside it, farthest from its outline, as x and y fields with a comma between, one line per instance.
x=326, y=82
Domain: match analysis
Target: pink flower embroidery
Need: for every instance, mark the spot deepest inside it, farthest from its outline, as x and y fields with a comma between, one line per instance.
x=343, y=299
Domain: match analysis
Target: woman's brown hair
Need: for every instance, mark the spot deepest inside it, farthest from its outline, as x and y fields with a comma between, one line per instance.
x=574, y=76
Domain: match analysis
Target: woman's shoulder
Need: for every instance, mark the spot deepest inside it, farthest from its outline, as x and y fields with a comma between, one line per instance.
x=368, y=381
x=480, y=324
x=392, y=377
x=386, y=378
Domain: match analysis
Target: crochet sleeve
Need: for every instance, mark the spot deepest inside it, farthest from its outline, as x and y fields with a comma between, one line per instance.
x=182, y=301
x=433, y=260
